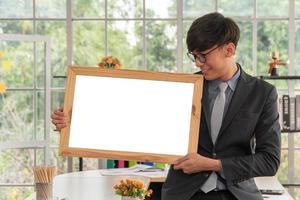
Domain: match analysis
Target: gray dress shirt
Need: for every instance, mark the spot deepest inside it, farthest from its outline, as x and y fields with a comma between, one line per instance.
x=212, y=94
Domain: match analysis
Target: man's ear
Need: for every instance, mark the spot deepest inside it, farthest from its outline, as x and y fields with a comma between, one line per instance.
x=229, y=49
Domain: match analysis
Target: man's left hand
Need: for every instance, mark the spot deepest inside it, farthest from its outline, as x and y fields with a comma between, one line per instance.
x=193, y=163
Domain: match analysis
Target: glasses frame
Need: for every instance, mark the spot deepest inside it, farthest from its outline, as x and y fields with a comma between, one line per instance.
x=201, y=57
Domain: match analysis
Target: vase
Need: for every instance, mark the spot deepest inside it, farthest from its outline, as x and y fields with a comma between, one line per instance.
x=129, y=198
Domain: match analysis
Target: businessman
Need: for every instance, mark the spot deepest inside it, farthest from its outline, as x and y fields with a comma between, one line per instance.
x=239, y=129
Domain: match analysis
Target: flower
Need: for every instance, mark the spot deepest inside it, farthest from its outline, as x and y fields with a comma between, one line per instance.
x=109, y=62
x=2, y=87
x=4, y=66
x=132, y=188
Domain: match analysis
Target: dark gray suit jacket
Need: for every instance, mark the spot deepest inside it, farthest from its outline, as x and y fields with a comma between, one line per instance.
x=252, y=115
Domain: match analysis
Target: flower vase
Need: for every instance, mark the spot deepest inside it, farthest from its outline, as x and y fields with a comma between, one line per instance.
x=129, y=198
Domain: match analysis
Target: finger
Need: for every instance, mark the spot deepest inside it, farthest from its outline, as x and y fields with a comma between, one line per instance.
x=180, y=160
x=57, y=117
x=59, y=112
x=179, y=166
x=55, y=122
x=186, y=166
x=61, y=126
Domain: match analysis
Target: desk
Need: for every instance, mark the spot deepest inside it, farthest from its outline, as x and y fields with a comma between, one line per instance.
x=90, y=184
x=271, y=183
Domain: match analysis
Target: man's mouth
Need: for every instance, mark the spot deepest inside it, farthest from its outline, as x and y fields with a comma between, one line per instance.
x=204, y=70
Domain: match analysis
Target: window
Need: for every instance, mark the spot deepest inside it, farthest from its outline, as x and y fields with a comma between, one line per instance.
x=144, y=35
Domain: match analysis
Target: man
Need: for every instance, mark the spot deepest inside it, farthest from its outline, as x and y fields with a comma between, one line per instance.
x=240, y=133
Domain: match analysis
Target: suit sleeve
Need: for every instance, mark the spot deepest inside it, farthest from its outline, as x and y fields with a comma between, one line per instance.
x=266, y=159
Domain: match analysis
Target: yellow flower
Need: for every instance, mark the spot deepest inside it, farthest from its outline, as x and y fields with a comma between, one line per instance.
x=6, y=65
x=2, y=87
x=1, y=54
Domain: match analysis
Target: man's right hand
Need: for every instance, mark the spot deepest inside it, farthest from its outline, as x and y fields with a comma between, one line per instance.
x=59, y=119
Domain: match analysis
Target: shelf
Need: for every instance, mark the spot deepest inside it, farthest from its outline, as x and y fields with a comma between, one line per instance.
x=293, y=131
x=291, y=184
x=279, y=77
x=261, y=77
x=59, y=76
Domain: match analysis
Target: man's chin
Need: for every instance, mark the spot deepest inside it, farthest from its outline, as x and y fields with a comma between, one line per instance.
x=208, y=77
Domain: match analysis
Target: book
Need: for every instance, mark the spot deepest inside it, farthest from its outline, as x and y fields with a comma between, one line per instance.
x=297, y=112
x=280, y=112
x=292, y=113
x=110, y=164
x=121, y=163
x=285, y=113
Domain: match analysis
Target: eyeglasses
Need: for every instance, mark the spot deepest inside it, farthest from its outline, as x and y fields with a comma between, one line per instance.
x=201, y=57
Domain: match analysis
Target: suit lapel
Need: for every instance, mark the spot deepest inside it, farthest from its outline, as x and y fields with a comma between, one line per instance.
x=205, y=104
x=239, y=97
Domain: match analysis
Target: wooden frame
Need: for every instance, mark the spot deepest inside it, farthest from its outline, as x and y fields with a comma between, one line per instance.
x=149, y=140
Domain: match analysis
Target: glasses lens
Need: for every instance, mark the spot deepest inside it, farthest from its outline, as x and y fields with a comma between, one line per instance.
x=191, y=56
x=201, y=58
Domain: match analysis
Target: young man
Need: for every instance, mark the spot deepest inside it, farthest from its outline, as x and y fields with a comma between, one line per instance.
x=240, y=133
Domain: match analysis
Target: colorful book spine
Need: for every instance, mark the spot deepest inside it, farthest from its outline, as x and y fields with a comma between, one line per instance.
x=280, y=112
x=160, y=165
x=121, y=163
x=148, y=163
x=110, y=164
x=297, y=112
x=285, y=113
x=292, y=113
x=131, y=163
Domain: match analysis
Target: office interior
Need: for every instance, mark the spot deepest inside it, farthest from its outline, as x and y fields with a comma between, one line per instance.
x=41, y=38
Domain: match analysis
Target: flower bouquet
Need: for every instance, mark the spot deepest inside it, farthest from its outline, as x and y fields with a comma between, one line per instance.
x=132, y=189
x=109, y=62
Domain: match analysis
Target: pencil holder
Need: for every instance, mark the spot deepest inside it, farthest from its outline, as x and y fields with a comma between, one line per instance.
x=43, y=191
x=43, y=181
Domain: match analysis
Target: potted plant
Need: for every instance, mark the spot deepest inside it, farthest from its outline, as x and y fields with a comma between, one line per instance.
x=132, y=189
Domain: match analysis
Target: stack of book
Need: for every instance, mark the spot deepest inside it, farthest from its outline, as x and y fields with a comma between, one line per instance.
x=289, y=113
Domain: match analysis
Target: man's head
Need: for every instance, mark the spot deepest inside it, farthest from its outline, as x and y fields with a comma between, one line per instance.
x=212, y=40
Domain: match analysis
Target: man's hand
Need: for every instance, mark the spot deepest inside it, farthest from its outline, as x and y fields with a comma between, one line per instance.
x=194, y=162
x=59, y=119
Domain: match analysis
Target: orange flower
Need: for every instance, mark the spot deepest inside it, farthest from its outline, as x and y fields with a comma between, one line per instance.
x=109, y=62
x=148, y=194
x=2, y=87
x=132, y=188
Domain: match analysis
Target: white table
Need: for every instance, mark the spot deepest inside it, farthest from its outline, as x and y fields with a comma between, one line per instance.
x=88, y=185
x=271, y=183
x=91, y=184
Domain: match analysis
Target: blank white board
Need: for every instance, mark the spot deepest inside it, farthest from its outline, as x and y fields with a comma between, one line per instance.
x=132, y=116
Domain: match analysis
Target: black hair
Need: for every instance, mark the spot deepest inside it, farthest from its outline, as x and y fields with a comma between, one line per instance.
x=210, y=30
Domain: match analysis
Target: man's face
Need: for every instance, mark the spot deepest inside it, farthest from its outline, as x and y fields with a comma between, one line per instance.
x=215, y=65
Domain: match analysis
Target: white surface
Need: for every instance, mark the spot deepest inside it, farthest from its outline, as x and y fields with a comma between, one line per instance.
x=88, y=185
x=271, y=183
x=130, y=114
x=93, y=185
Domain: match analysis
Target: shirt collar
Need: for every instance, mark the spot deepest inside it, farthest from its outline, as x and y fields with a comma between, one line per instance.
x=231, y=83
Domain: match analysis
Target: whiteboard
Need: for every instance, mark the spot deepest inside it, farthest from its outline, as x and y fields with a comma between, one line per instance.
x=131, y=115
